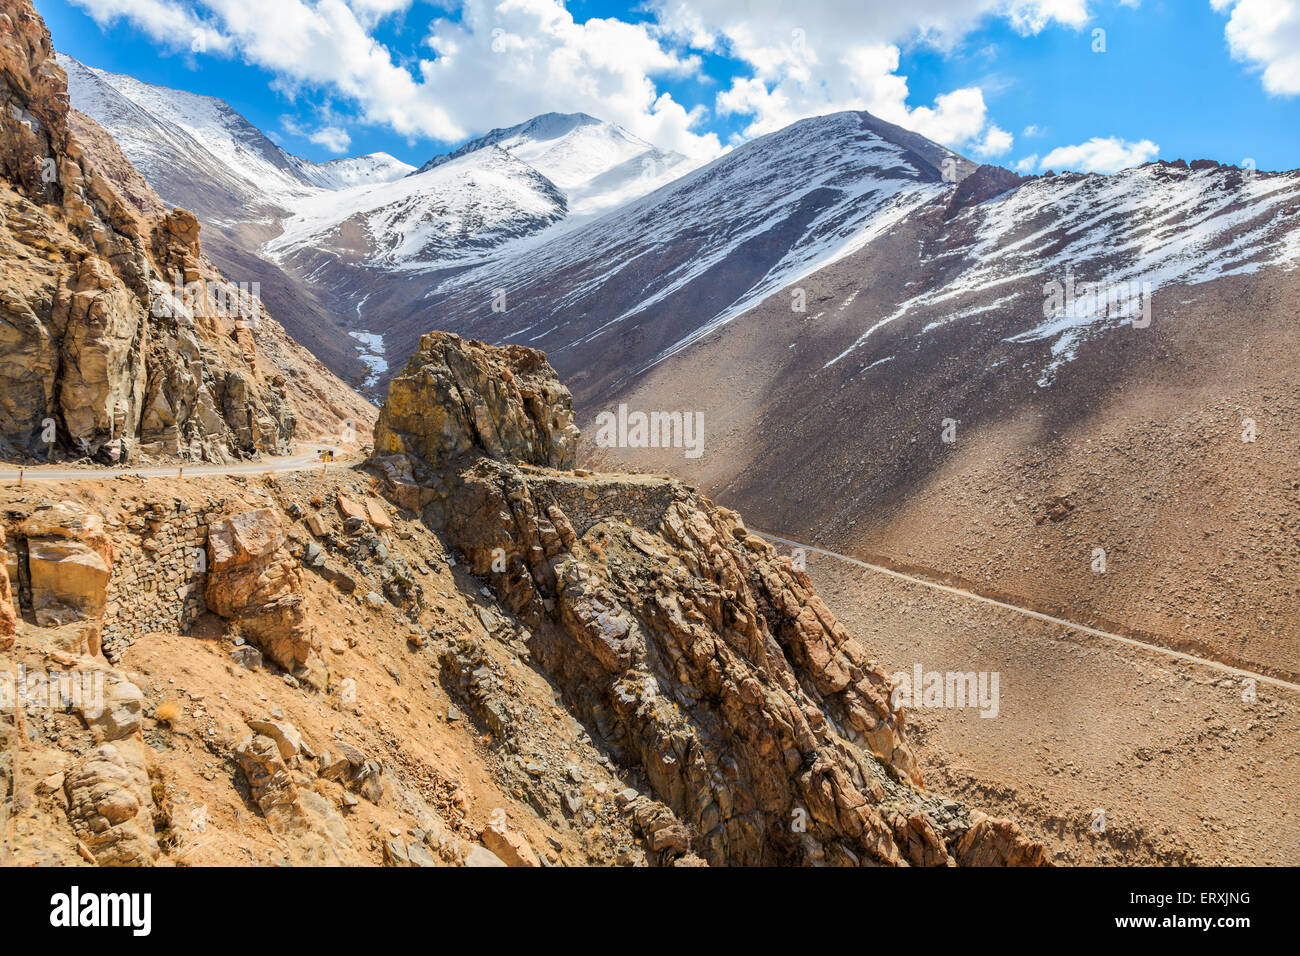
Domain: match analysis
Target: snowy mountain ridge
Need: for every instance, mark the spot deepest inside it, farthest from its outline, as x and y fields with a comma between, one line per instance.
x=452, y=214
x=552, y=172
x=153, y=124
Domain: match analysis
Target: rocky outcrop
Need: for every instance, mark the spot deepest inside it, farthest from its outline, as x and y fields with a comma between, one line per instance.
x=991, y=842
x=686, y=644
x=457, y=396
x=980, y=186
x=313, y=831
x=117, y=337
x=508, y=846
x=109, y=808
x=69, y=559
x=254, y=580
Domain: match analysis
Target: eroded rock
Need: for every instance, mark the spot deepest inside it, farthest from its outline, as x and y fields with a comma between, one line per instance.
x=312, y=828
x=70, y=559
x=253, y=579
x=109, y=805
x=685, y=643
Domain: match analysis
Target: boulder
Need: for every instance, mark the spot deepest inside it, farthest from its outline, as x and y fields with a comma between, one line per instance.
x=998, y=842
x=70, y=559
x=482, y=856
x=377, y=516
x=349, y=508
x=118, y=715
x=285, y=735
x=508, y=845
x=253, y=579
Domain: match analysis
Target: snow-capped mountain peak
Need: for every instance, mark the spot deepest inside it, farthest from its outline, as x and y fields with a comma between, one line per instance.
x=598, y=164
x=355, y=171
x=450, y=214
x=544, y=128
x=193, y=147
x=554, y=170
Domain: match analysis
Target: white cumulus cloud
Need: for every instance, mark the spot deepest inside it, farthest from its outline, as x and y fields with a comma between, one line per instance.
x=502, y=62
x=996, y=142
x=1100, y=155
x=813, y=58
x=1266, y=34
x=499, y=62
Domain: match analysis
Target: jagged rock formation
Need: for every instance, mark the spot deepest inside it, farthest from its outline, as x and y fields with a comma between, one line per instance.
x=313, y=828
x=117, y=338
x=685, y=642
x=254, y=580
x=456, y=396
x=390, y=762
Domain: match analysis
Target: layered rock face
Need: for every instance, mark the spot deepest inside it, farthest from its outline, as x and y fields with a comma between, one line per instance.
x=686, y=644
x=116, y=336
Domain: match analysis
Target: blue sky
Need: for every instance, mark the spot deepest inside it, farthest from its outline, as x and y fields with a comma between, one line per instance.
x=1023, y=83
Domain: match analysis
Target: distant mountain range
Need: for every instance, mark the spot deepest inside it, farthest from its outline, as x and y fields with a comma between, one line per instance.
x=570, y=234
x=354, y=241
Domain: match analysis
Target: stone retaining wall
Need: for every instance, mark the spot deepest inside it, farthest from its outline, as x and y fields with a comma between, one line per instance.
x=158, y=575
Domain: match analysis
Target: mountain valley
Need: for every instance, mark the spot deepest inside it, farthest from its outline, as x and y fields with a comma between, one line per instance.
x=406, y=602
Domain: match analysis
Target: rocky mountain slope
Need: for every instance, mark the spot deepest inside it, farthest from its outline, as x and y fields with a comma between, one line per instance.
x=121, y=339
x=650, y=683
x=977, y=426
x=347, y=246
x=199, y=153
x=650, y=278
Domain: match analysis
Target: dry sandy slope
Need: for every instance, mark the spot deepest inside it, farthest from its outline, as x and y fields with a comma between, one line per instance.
x=1186, y=770
x=1135, y=448
x=439, y=759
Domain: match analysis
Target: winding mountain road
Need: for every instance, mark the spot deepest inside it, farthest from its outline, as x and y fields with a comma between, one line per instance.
x=311, y=459
x=1062, y=622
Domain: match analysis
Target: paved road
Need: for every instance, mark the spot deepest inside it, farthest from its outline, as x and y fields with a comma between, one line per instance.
x=1082, y=628
x=310, y=459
